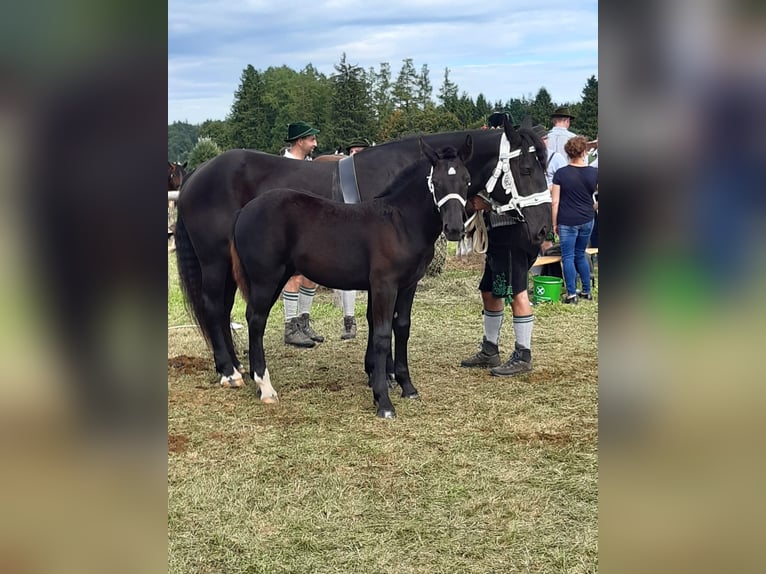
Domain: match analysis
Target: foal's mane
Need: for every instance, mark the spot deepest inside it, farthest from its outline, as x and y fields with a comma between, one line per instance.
x=404, y=176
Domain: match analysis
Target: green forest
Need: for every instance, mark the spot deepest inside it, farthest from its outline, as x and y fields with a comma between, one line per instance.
x=354, y=102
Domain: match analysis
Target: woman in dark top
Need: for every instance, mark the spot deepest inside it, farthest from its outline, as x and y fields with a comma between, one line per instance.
x=573, y=213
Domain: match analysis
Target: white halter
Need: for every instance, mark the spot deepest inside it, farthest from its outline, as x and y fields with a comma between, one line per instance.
x=516, y=202
x=447, y=197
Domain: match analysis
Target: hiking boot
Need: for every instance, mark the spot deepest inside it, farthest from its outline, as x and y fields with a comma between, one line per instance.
x=519, y=362
x=295, y=336
x=349, y=328
x=488, y=356
x=571, y=299
x=305, y=325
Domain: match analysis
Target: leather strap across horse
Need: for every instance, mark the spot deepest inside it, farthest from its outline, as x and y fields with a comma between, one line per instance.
x=348, y=185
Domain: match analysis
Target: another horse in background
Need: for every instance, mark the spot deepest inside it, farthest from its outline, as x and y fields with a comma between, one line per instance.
x=385, y=248
x=176, y=174
x=216, y=190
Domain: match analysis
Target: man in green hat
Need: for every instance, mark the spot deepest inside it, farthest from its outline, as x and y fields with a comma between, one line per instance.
x=298, y=294
x=301, y=139
x=358, y=145
x=560, y=134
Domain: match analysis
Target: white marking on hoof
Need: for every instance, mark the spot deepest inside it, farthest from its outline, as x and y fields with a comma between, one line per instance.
x=268, y=394
x=233, y=381
x=241, y=368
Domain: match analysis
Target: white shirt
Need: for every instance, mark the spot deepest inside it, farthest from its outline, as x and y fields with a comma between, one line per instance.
x=291, y=156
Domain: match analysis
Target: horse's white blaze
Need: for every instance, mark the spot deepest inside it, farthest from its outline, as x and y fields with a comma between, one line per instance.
x=232, y=381
x=451, y=171
x=268, y=394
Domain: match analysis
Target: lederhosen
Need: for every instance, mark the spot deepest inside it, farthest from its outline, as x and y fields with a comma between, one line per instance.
x=510, y=256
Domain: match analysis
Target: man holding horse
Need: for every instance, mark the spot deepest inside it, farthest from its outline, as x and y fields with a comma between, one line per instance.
x=298, y=294
x=510, y=256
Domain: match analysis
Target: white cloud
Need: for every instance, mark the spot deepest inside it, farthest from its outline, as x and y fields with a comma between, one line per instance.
x=500, y=53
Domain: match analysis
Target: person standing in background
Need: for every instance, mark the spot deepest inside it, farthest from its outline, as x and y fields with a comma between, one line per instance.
x=298, y=294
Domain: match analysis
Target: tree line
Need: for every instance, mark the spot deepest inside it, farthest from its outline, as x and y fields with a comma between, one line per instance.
x=354, y=102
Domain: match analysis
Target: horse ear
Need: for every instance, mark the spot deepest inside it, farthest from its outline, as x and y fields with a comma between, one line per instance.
x=428, y=151
x=510, y=132
x=527, y=123
x=466, y=151
x=170, y=164
x=185, y=164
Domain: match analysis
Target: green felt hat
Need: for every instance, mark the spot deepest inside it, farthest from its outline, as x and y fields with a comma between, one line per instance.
x=562, y=112
x=358, y=142
x=540, y=131
x=299, y=130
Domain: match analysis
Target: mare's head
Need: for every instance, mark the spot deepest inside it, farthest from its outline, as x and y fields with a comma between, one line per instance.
x=527, y=164
x=176, y=173
x=449, y=182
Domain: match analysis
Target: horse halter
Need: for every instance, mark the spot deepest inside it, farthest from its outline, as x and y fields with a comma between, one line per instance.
x=516, y=202
x=446, y=198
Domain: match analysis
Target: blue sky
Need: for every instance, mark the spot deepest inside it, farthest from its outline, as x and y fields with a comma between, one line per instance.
x=503, y=49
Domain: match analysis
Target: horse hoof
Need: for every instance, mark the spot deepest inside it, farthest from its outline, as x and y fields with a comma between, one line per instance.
x=233, y=381
x=272, y=400
x=241, y=368
x=387, y=414
x=413, y=396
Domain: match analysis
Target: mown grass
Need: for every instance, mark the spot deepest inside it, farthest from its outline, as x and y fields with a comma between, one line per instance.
x=481, y=475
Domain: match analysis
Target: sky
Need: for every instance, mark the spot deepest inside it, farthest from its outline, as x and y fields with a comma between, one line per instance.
x=504, y=50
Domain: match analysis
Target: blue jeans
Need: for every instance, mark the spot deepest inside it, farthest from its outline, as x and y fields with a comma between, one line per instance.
x=574, y=240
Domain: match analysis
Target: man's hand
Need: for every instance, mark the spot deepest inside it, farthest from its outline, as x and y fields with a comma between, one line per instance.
x=479, y=204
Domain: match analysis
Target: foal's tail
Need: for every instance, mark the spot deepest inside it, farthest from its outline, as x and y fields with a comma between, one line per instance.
x=240, y=275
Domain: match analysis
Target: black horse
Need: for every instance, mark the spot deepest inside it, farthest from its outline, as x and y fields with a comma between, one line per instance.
x=385, y=248
x=215, y=191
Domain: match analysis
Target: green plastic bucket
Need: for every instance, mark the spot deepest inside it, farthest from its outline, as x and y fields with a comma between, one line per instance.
x=547, y=288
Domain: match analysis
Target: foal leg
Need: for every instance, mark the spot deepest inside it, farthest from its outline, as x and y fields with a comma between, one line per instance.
x=369, y=355
x=258, y=307
x=402, y=313
x=382, y=313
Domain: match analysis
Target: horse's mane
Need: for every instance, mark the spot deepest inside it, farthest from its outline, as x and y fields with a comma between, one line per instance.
x=404, y=176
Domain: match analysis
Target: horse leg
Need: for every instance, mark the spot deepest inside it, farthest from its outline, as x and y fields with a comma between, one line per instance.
x=369, y=355
x=383, y=309
x=230, y=290
x=402, y=312
x=213, y=285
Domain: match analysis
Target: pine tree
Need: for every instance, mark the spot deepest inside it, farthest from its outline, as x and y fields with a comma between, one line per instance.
x=350, y=117
x=541, y=108
x=448, y=93
x=424, y=88
x=586, y=122
x=247, y=116
x=405, y=87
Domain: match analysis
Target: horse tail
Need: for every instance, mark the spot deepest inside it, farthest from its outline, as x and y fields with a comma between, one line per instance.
x=190, y=274
x=240, y=275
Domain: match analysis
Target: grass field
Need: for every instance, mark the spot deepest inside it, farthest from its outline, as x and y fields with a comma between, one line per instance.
x=482, y=475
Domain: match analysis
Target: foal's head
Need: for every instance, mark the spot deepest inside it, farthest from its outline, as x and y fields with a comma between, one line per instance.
x=449, y=182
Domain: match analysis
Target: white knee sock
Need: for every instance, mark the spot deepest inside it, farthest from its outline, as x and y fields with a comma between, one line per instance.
x=305, y=298
x=348, y=298
x=493, y=322
x=522, y=328
x=291, y=305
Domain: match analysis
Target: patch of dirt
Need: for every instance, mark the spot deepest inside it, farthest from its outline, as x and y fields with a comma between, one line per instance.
x=186, y=365
x=177, y=443
x=470, y=262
